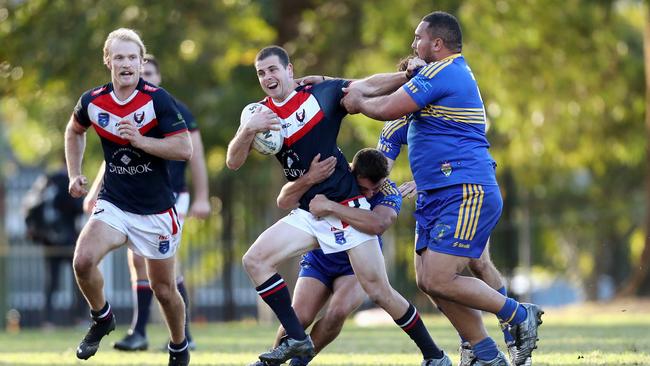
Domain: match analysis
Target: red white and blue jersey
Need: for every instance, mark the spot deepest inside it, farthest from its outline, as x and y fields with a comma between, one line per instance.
x=134, y=180
x=311, y=118
x=177, y=167
x=393, y=136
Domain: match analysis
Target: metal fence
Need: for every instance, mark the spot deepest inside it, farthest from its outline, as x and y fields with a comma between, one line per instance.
x=217, y=290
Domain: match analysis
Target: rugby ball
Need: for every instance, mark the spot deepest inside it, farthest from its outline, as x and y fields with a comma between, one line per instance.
x=267, y=142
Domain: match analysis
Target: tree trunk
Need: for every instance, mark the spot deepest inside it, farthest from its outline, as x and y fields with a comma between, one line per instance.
x=639, y=278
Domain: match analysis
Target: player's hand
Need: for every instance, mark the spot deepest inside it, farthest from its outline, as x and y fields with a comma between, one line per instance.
x=130, y=132
x=414, y=66
x=319, y=170
x=263, y=119
x=352, y=100
x=310, y=80
x=200, y=209
x=78, y=186
x=319, y=206
x=408, y=189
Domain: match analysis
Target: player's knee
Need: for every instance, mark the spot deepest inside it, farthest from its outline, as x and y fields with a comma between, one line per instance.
x=164, y=292
x=432, y=286
x=336, y=315
x=481, y=266
x=82, y=264
x=251, y=262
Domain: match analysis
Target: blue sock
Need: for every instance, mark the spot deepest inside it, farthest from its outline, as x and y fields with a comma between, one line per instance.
x=506, y=333
x=180, y=284
x=274, y=292
x=414, y=327
x=142, y=307
x=486, y=349
x=511, y=312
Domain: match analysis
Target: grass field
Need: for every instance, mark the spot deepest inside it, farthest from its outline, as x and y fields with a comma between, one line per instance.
x=589, y=335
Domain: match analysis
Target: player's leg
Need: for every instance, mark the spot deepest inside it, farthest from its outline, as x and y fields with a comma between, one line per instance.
x=182, y=207
x=454, y=224
x=484, y=269
x=136, y=337
x=96, y=239
x=278, y=243
x=368, y=264
x=348, y=296
x=162, y=277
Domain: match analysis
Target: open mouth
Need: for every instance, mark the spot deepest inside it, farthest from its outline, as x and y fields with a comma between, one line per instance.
x=126, y=73
x=272, y=85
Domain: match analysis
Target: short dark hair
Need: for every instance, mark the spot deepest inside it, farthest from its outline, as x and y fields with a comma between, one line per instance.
x=274, y=51
x=151, y=59
x=446, y=27
x=371, y=164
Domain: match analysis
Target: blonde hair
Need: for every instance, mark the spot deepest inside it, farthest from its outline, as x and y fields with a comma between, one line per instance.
x=123, y=34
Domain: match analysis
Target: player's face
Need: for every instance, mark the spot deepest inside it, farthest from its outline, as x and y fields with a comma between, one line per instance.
x=150, y=74
x=368, y=188
x=275, y=79
x=423, y=44
x=125, y=63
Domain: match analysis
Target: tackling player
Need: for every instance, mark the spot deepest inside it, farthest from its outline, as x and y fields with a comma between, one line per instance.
x=459, y=202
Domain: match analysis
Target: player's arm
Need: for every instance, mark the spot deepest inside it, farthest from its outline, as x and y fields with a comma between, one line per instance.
x=174, y=146
x=93, y=192
x=262, y=119
x=75, y=144
x=291, y=192
x=373, y=222
x=382, y=84
x=383, y=108
x=200, y=204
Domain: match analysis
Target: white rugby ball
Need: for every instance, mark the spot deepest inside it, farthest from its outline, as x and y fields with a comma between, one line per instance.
x=267, y=142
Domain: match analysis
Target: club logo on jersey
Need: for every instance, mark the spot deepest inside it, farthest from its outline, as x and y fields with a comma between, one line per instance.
x=300, y=116
x=445, y=168
x=103, y=118
x=163, y=246
x=138, y=117
x=125, y=159
x=290, y=159
x=339, y=237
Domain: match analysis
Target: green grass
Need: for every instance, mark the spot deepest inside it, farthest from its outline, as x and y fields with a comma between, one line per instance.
x=583, y=336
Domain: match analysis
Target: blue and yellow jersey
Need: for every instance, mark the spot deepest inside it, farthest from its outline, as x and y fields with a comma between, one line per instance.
x=446, y=137
x=393, y=136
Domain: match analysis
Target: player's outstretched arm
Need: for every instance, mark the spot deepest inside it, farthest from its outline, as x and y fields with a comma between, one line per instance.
x=240, y=146
x=373, y=222
x=383, y=108
x=291, y=192
x=200, y=207
x=75, y=144
x=382, y=84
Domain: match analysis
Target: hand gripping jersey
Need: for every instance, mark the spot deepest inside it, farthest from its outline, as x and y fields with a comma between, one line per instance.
x=177, y=167
x=311, y=118
x=134, y=181
x=446, y=138
x=388, y=196
x=393, y=136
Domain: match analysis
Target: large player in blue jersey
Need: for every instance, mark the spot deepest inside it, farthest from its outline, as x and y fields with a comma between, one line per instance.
x=459, y=202
x=393, y=136
x=140, y=129
x=309, y=118
x=330, y=277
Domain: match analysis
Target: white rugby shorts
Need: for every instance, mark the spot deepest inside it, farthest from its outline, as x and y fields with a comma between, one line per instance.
x=154, y=236
x=332, y=234
x=182, y=205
